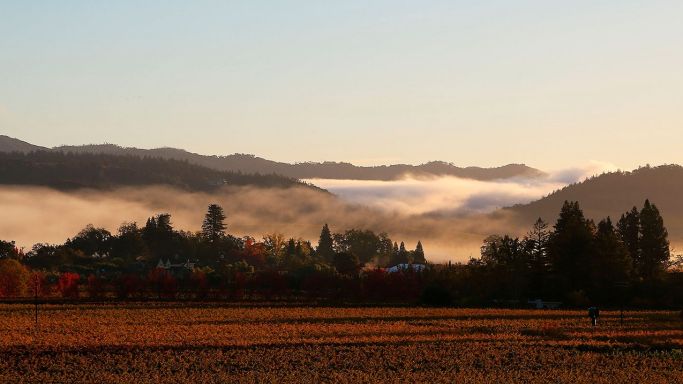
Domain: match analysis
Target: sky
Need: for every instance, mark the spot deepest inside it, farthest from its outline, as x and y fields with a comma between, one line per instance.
x=547, y=83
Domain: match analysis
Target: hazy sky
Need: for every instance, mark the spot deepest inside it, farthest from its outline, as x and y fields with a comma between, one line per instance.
x=547, y=83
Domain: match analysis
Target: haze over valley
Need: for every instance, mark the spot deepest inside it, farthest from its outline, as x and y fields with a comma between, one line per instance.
x=67, y=188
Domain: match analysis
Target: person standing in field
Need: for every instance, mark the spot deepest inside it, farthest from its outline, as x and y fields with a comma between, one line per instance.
x=594, y=314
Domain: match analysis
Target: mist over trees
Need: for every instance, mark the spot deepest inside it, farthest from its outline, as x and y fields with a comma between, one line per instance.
x=159, y=261
x=575, y=261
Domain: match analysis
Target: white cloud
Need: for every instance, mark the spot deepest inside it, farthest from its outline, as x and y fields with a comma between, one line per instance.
x=452, y=195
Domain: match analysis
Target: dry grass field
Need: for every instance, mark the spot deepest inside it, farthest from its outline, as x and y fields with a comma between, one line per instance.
x=170, y=343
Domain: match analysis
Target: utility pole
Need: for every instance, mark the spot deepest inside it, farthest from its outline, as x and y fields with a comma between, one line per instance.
x=622, y=285
x=35, y=297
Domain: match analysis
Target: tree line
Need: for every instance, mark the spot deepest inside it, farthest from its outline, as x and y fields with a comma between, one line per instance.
x=576, y=262
x=580, y=262
x=157, y=260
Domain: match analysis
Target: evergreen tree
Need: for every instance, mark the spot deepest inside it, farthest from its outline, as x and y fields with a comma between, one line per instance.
x=611, y=264
x=537, y=242
x=151, y=224
x=402, y=256
x=654, y=243
x=163, y=223
x=571, y=248
x=536, y=245
x=628, y=229
x=419, y=254
x=213, y=227
x=385, y=251
x=325, y=244
x=159, y=237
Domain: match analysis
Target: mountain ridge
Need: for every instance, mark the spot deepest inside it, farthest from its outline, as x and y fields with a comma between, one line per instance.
x=70, y=171
x=247, y=163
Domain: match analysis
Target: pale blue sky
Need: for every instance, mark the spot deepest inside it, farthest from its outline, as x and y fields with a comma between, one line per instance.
x=547, y=83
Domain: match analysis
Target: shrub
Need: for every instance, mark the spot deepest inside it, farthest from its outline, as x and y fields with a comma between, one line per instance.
x=436, y=295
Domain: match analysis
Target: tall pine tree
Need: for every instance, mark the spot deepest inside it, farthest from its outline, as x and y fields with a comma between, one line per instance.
x=213, y=227
x=402, y=256
x=654, y=243
x=571, y=248
x=536, y=245
x=611, y=264
x=628, y=229
x=325, y=249
x=419, y=254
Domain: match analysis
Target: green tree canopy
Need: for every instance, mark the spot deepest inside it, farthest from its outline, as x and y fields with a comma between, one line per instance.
x=365, y=244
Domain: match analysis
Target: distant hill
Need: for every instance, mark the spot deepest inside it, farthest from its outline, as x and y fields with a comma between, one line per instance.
x=309, y=170
x=326, y=170
x=10, y=144
x=611, y=194
x=101, y=171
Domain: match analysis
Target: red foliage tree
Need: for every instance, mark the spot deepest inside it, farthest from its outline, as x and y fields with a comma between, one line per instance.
x=318, y=284
x=163, y=282
x=376, y=285
x=238, y=285
x=129, y=285
x=199, y=284
x=68, y=285
x=270, y=284
x=96, y=286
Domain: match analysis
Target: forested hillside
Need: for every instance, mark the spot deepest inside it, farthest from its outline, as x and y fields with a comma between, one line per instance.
x=311, y=170
x=71, y=171
x=608, y=194
x=9, y=144
x=308, y=170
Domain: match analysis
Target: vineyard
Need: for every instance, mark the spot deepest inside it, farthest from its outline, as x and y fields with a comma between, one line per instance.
x=174, y=342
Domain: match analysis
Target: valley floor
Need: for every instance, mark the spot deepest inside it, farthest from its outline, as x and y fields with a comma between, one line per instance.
x=180, y=342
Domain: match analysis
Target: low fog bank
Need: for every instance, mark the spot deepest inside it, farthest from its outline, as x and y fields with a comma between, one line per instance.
x=443, y=196
x=450, y=216
x=453, y=196
x=33, y=215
